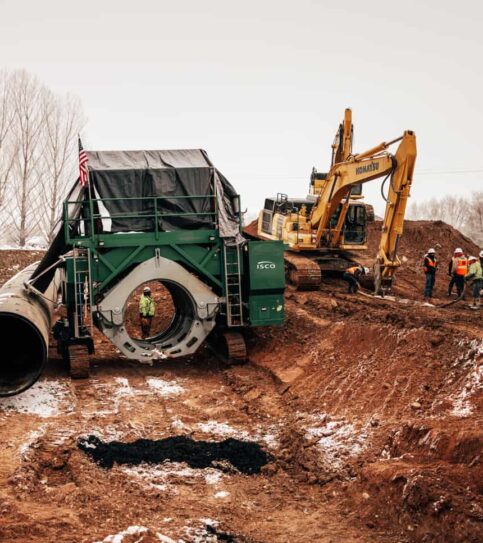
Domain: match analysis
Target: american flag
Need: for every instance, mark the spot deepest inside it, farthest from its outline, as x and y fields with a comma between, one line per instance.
x=83, y=171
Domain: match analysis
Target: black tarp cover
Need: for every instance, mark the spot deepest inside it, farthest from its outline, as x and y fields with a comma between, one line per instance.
x=167, y=174
x=121, y=174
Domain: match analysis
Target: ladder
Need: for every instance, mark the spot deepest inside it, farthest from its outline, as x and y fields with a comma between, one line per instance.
x=233, y=287
x=82, y=289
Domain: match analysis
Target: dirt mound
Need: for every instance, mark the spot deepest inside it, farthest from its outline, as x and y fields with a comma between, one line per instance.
x=251, y=229
x=11, y=262
x=417, y=238
x=370, y=409
x=387, y=396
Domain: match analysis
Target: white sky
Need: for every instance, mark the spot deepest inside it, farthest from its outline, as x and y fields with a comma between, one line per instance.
x=262, y=85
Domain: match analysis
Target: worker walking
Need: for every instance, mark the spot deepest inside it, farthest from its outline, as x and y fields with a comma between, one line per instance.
x=147, y=309
x=475, y=278
x=457, y=269
x=351, y=275
x=430, y=267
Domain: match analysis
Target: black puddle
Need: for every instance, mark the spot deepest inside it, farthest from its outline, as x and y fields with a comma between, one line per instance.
x=245, y=456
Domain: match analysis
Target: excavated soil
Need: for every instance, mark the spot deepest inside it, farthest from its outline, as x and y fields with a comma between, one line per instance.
x=368, y=412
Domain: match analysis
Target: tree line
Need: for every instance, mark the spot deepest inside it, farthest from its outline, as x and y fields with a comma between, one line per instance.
x=463, y=213
x=38, y=155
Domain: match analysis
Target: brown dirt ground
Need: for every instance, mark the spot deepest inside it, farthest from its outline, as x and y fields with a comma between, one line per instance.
x=371, y=408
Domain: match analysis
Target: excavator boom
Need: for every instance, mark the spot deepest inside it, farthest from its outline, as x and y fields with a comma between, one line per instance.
x=393, y=222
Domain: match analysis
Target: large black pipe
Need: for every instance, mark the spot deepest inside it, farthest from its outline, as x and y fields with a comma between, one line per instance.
x=25, y=323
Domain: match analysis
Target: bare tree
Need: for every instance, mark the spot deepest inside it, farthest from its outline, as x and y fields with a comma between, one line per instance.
x=475, y=218
x=413, y=211
x=38, y=155
x=64, y=119
x=6, y=123
x=28, y=96
x=465, y=214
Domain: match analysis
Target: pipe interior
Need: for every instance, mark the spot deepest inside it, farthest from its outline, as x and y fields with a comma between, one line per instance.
x=23, y=354
x=181, y=318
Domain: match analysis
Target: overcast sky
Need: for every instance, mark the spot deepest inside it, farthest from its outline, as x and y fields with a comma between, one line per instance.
x=262, y=85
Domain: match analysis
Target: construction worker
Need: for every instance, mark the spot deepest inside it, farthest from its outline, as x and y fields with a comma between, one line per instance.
x=457, y=269
x=147, y=308
x=430, y=267
x=475, y=278
x=351, y=275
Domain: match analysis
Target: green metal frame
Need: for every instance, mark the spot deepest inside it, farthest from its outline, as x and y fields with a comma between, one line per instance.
x=111, y=256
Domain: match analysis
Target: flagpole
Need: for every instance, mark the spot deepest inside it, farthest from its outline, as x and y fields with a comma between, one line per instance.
x=84, y=170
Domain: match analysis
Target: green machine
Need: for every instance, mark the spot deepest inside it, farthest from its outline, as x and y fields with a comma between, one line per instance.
x=166, y=216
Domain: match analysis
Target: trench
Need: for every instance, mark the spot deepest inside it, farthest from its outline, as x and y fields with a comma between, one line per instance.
x=244, y=456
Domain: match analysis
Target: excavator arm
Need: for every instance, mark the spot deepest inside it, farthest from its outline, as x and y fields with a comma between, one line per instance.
x=392, y=227
x=340, y=180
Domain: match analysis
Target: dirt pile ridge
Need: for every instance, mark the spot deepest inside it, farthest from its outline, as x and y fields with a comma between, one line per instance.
x=417, y=238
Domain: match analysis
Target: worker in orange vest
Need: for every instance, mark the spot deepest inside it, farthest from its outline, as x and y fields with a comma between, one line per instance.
x=351, y=275
x=457, y=269
x=430, y=266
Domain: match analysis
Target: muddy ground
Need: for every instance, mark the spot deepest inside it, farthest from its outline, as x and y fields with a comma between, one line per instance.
x=370, y=411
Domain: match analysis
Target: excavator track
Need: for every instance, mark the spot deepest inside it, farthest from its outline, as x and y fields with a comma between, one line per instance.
x=302, y=272
x=78, y=361
x=234, y=347
x=229, y=347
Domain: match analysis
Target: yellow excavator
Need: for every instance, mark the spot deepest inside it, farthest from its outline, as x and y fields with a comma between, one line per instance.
x=324, y=229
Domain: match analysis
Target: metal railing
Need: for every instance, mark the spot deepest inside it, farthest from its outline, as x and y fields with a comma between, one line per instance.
x=89, y=217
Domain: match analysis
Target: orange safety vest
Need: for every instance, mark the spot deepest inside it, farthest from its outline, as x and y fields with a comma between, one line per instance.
x=430, y=263
x=352, y=270
x=461, y=266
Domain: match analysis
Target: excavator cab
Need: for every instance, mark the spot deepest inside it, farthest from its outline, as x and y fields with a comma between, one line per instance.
x=276, y=209
x=355, y=225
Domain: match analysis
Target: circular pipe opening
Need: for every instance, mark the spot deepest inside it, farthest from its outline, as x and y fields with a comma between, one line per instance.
x=24, y=354
x=174, y=312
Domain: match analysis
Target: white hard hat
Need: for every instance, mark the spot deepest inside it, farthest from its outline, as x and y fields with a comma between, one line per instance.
x=431, y=251
x=472, y=258
x=146, y=289
x=458, y=250
x=366, y=270
x=481, y=254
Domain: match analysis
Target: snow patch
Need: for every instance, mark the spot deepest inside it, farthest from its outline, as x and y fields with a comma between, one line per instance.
x=473, y=383
x=31, y=438
x=222, y=494
x=44, y=399
x=269, y=434
x=178, y=424
x=222, y=429
x=123, y=388
x=337, y=440
x=120, y=389
x=213, y=477
x=119, y=537
x=164, y=388
x=159, y=476
x=200, y=534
